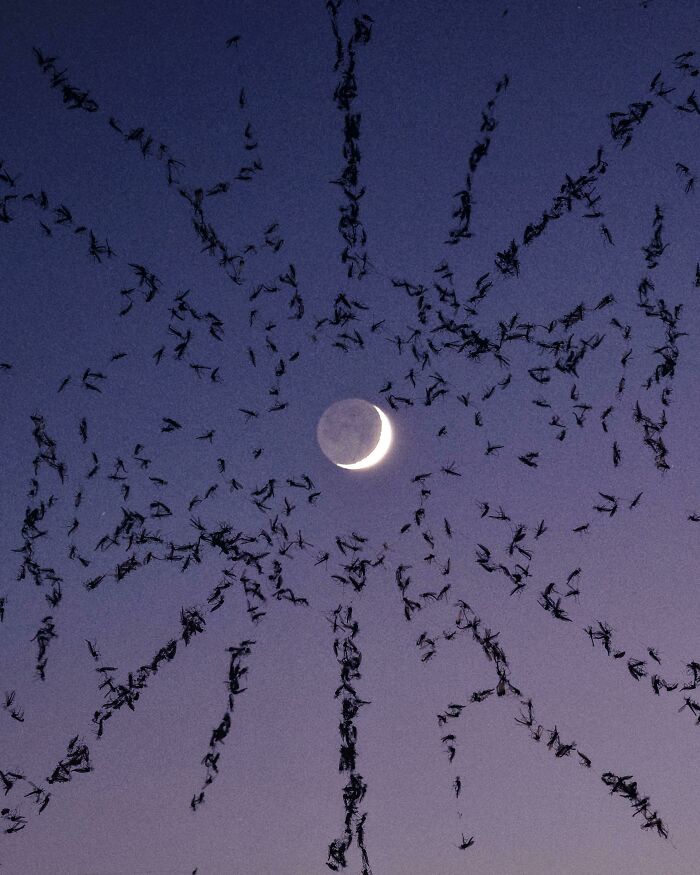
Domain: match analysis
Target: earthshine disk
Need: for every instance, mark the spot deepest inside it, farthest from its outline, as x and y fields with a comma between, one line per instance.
x=354, y=434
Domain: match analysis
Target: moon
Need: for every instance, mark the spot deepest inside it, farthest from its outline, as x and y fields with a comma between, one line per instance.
x=354, y=434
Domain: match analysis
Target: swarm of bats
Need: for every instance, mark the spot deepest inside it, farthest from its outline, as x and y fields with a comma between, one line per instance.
x=257, y=562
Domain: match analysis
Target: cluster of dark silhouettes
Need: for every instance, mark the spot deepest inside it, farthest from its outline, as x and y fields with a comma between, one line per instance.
x=256, y=561
x=349, y=658
x=350, y=225
x=468, y=621
x=463, y=213
x=236, y=672
x=76, y=760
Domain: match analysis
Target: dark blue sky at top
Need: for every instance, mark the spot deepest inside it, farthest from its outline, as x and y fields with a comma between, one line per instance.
x=423, y=80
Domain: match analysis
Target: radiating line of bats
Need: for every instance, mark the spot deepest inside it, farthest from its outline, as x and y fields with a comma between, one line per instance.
x=349, y=659
x=463, y=213
x=350, y=225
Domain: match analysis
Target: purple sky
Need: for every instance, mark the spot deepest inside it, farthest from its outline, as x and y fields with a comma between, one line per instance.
x=432, y=97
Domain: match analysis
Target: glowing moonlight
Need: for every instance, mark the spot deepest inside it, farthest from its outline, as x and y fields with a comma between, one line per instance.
x=354, y=434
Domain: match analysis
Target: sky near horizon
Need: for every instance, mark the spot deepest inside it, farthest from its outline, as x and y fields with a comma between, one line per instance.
x=217, y=220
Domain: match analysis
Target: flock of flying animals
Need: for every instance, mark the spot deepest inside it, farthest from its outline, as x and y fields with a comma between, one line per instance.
x=256, y=562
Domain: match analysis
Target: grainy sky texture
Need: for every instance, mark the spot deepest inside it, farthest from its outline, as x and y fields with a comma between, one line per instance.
x=218, y=651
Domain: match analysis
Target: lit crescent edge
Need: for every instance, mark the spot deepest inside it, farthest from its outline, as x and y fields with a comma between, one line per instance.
x=380, y=450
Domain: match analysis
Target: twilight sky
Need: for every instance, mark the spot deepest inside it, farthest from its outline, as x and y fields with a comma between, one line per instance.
x=218, y=219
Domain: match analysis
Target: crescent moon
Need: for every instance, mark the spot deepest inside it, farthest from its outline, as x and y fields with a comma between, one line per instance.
x=381, y=449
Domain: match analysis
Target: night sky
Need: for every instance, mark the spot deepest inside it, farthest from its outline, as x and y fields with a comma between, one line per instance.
x=221, y=653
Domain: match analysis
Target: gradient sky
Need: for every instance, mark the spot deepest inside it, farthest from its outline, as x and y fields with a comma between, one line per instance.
x=424, y=78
